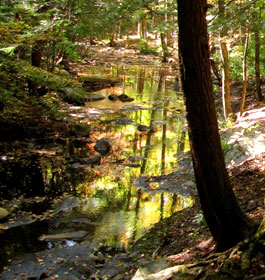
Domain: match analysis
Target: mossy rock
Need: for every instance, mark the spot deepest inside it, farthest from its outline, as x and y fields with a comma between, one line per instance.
x=3, y=213
x=80, y=130
x=95, y=84
x=78, y=96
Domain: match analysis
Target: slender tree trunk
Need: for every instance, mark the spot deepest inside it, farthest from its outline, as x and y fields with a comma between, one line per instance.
x=227, y=223
x=164, y=46
x=257, y=65
x=141, y=81
x=244, y=65
x=143, y=28
x=225, y=81
x=36, y=62
x=143, y=35
x=227, y=109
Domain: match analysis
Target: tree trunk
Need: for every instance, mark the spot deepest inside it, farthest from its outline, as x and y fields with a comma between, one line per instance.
x=225, y=81
x=143, y=28
x=227, y=223
x=257, y=65
x=225, y=66
x=36, y=62
x=164, y=46
x=244, y=91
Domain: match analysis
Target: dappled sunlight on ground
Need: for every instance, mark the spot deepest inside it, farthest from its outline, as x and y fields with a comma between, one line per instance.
x=246, y=138
x=253, y=115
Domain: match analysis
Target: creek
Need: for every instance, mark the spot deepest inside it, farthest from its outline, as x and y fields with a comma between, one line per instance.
x=59, y=188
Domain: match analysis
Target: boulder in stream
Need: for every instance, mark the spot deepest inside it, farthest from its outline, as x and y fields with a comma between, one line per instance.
x=125, y=98
x=143, y=128
x=113, y=97
x=103, y=146
x=95, y=84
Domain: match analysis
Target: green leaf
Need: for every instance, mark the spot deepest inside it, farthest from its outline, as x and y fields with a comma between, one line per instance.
x=9, y=50
x=260, y=3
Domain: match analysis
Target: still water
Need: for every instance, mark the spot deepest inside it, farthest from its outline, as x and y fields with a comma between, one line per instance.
x=146, y=135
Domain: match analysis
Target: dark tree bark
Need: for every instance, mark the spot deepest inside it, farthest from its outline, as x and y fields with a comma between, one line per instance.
x=36, y=62
x=227, y=223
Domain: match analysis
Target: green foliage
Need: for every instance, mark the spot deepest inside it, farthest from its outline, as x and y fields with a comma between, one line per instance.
x=200, y=219
x=232, y=25
x=145, y=49
x=225, y=146
x=228, y=123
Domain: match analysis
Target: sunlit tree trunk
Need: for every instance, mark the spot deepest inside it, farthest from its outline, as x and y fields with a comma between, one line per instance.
x=244, y=90
x=163, y=35
x=143, y=34
x=227, y=109
x=227, y=223
x=163, y=39
x=225, y=81
x=143, y=28
x=257, y=64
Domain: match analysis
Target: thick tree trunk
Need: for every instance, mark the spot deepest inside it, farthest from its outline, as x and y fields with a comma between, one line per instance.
x=227, y=223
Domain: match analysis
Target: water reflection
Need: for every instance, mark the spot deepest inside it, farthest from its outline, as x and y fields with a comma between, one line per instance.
x=120, y=212
x=118, y=216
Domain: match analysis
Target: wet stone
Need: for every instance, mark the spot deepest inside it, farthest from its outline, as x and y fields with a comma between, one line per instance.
x=94, y=97
x=134, y=165
x=76, y=235
x=125, y=98
x=91, y=160
x=66, y=203
x=113, y=97
x=175, y=182
x=94, y=84
x=142, y=128
x=70, y=263
x=124, y=121
x=103, y=146
x=135, y=158
x=78, y=165
x=131, y=108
